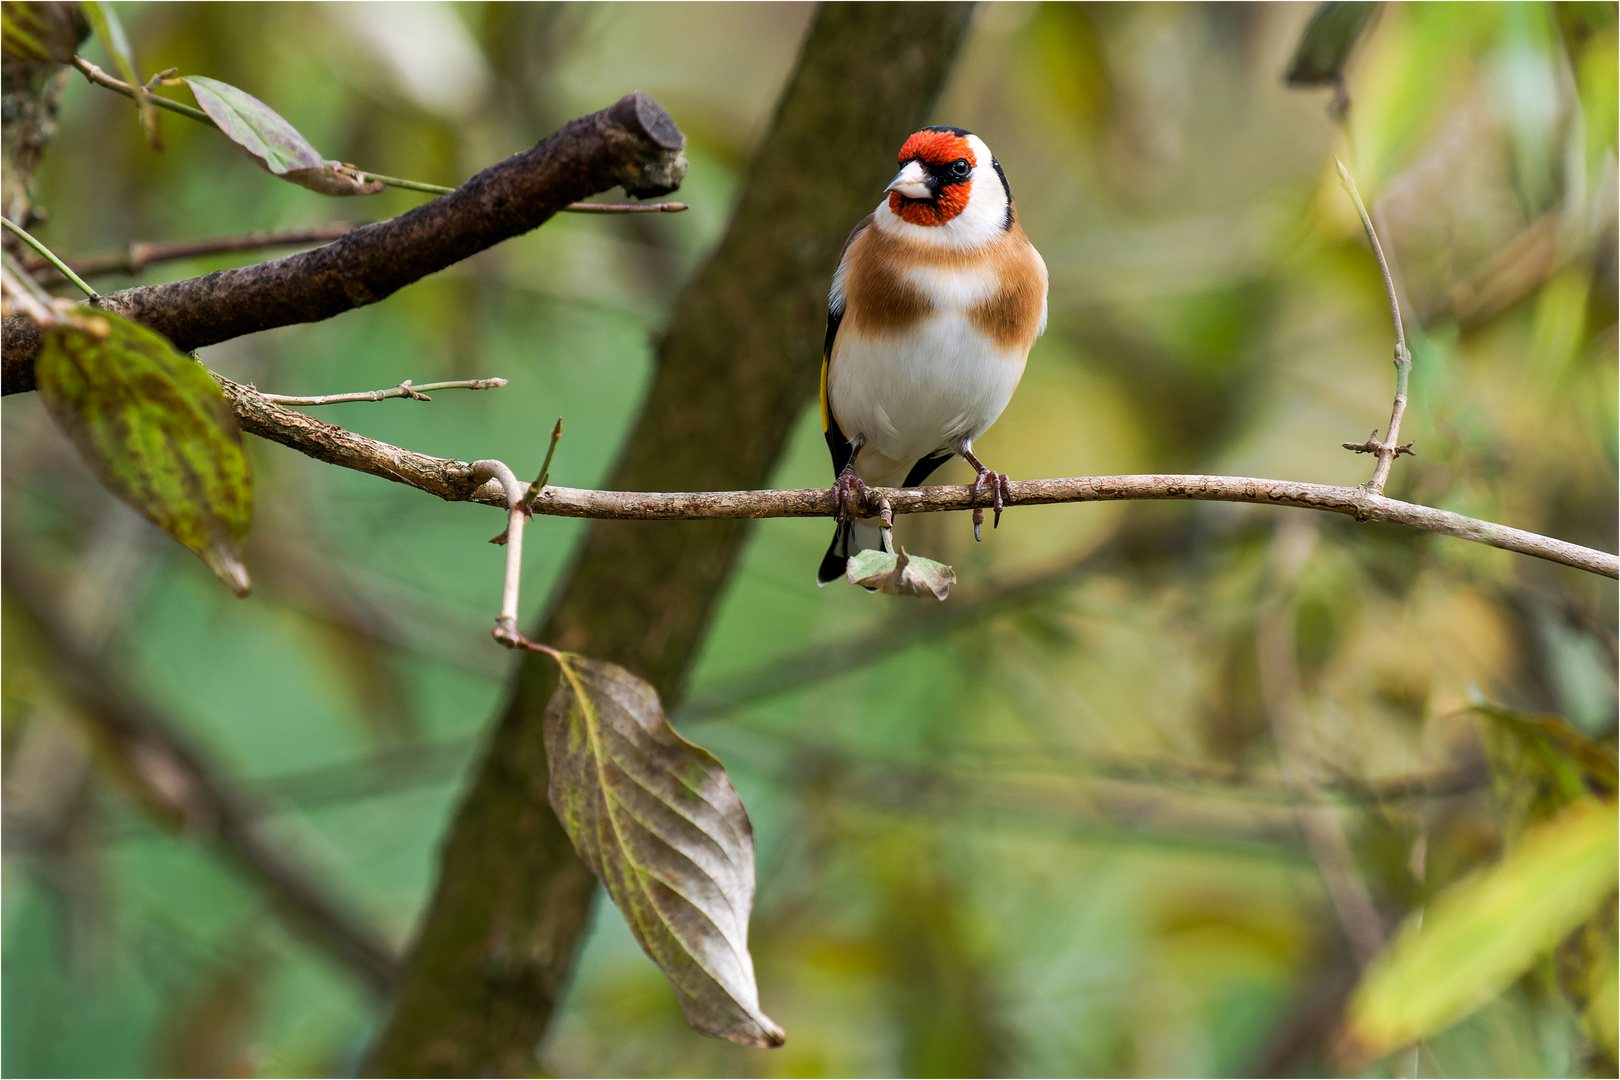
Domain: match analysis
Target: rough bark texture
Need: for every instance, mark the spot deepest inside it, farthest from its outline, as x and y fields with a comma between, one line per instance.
x=633, y=145
x=738, y=364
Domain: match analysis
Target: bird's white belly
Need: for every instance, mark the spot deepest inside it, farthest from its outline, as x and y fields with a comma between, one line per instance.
x=906, y=397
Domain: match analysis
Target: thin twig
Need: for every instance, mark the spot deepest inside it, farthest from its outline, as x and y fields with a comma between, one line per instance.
x=101, y=78
x=452, y=480
x=1277, y=646
x=403, y=390
x=1390, y=448
x=138, y=256
x=49, y=256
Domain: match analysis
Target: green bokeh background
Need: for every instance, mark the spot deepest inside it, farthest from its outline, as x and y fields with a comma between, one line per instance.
x=1037, y=830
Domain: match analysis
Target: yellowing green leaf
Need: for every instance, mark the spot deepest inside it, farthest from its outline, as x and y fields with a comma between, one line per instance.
x=155, y=429
x=278, y=147
x=1481, y=934
x=40, y=30
x=657, y=820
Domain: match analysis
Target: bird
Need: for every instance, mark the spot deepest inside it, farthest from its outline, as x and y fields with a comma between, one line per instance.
x=935, y=303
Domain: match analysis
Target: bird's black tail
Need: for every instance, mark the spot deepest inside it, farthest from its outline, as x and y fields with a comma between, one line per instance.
x=838, y=553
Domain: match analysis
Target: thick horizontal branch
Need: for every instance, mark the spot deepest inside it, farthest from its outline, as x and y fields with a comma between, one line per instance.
x=633, y=145
x=453, y=480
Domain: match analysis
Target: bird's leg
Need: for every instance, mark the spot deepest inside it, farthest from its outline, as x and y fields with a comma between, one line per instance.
x=848, y=489
x=1000, y=488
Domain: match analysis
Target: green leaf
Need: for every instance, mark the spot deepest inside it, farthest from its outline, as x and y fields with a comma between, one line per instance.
x=38, y=31
x=657, y=820
x=278, y=148
x=1540, y=764
x=110, y=32
x=1325, y=46
x=900, y=575
x=155, y=428
x=1481, y=934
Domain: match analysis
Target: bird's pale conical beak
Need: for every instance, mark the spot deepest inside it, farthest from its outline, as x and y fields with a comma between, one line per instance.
x=912, y=182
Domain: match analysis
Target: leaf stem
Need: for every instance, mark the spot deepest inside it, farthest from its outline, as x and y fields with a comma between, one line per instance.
x=49, y=256
x=101, y=78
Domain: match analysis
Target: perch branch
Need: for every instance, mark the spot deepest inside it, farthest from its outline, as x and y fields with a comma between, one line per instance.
x=1390, y=448
x=453, y=480
x=403, y=390
x=633, y=144
x=182, y=785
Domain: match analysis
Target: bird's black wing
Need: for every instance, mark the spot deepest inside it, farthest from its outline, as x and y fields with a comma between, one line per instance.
x=837, y=441
x=925, y=468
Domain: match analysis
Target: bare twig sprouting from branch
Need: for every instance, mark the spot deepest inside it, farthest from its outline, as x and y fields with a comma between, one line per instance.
x=403, y=390
x=1391, y=447
x=539, y=484
x=1284, y=700
x=138, y=256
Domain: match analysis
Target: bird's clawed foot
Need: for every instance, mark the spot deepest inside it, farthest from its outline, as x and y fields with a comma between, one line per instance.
x=1001, y=491
x=849, y=493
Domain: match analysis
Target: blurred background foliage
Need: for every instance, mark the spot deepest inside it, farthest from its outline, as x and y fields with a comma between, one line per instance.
x=1041, y=829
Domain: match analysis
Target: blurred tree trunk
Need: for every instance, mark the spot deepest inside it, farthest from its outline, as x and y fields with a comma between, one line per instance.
x=738, y=364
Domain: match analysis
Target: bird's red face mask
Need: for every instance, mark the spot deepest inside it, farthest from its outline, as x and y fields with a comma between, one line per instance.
x=936, y=178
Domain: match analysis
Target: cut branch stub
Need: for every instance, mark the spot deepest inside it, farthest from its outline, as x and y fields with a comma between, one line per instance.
x=155, y=429
x=275, y=145
x=657, y=820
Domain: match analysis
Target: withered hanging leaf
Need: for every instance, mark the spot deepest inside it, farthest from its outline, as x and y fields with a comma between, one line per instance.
x=278, y=148
x=38, y=30
x=1329, y=38
x=1480, y=934
x=657, y=820
x=110, y=32
x=155, y=429
x=900, y=575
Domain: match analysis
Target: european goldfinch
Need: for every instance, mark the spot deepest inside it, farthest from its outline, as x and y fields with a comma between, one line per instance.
x=936, y=301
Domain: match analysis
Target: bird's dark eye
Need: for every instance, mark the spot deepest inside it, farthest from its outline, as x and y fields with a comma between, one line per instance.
x=960, y=168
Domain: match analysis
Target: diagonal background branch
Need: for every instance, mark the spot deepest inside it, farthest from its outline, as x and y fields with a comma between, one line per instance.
x=179, y=782
x=511, y=900
x=633, y=144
